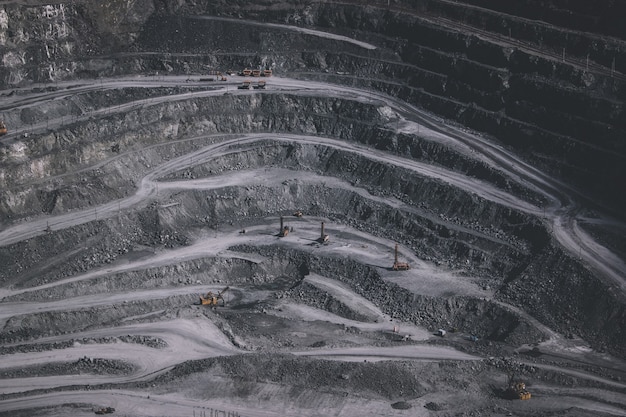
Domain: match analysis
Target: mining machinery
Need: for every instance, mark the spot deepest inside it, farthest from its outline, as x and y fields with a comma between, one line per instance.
x=298, y=213
x=105, y=410
x=3, y=128
x=218, y=74
x=323, y=237
x=213, y=299
x=284, y=230
x=245, y=85
x=259, y=85
x=516, y=390
x=399, y=266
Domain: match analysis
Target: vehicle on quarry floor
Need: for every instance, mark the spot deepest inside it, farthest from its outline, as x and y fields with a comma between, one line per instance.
x=399, y=266
x=244, y=86
x=298, y=213
x=105, y=410
x=213, y=299
x=284, y=230
x=267, y=73
x=218, y=75
x=323, y=236
x=516, y=390
x=3, y=128
x=256, y=73
x=246, y=72
x=260, y=85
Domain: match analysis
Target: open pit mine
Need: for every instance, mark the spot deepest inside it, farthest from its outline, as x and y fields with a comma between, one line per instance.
x=312, y=208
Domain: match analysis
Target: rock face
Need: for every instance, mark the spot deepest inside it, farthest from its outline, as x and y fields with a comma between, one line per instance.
x=133, y=180
x=450, y=59
x=554, y=93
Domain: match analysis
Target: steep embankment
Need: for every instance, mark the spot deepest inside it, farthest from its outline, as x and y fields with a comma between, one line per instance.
x=559, y=114
x=134, y=181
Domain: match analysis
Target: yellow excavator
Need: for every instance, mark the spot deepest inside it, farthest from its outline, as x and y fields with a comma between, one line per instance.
x=213, y=299
x=517, y=389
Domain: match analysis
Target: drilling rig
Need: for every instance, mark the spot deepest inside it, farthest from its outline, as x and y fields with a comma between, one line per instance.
x=399, y=266
x=323, y=237
x=284, y=230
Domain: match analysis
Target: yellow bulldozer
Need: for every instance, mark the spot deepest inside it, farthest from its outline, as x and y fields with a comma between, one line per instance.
x=213, y=299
